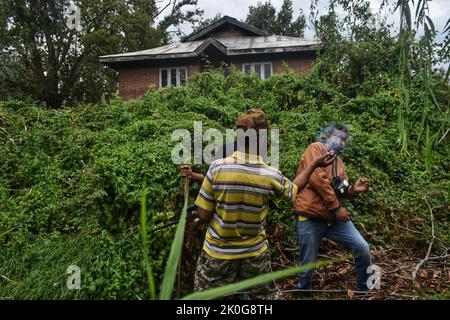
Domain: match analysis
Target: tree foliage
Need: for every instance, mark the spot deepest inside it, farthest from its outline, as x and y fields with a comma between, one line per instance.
x=265, y=17
x=60, y=63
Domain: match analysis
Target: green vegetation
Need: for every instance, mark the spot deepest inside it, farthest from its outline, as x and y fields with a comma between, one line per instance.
x=71, y=179
x=43, y=59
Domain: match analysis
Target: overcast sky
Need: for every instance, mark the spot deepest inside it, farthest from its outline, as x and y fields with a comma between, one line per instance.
x=439, y=10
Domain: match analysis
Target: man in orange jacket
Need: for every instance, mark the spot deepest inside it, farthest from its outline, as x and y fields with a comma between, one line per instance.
x=319, y=211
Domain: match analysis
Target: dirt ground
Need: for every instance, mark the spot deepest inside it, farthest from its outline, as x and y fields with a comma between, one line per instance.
x=337, y=281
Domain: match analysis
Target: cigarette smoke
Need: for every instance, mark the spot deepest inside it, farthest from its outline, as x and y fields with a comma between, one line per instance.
x=335, y=141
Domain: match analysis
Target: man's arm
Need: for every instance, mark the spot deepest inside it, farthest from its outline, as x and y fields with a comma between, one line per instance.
x=303, y=178
x=204, y=215
x=288, y=190
x=360, y=185
x=186, y=171
x=349, y=193
x=319, y=180
x=205, y=201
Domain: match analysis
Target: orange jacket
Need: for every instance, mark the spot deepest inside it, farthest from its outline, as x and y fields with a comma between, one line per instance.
x=318, y=198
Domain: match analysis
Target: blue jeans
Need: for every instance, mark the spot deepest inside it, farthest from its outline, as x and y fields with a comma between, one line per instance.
x=311, y=232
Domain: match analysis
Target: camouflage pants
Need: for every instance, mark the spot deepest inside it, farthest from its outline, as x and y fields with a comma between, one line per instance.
x=212, y=272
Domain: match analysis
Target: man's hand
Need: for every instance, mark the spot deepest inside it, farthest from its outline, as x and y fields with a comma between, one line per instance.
x=342, y=215
x=361, y=185
x=186, y=171
x=324, y=160
x=204, y=215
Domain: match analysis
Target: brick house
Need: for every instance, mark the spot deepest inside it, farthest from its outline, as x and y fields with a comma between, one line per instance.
x=225, y=42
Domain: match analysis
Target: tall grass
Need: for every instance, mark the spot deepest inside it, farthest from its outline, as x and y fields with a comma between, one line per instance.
x=408, y=30
x=175, y=255
x=144, y=239
x=430, y=140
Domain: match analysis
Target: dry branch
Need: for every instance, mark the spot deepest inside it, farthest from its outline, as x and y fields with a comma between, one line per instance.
x=421, y=263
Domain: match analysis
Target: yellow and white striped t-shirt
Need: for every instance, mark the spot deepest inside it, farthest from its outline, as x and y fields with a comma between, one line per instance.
x=237, y=190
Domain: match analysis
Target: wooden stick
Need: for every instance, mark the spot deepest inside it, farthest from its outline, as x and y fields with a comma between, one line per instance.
x=186, y=195
x=408, y=229
x=439, y=257
x=422, y=262
x=316, y=290
x=280, y=264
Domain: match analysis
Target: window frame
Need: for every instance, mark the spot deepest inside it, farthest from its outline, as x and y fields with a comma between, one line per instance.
x=169, y=72
x=263, y=68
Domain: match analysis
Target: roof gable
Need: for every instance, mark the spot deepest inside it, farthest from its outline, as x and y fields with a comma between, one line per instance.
x=211, y=42
x=226, y=22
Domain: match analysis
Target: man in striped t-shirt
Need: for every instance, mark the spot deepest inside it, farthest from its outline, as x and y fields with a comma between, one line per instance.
x=234, y=199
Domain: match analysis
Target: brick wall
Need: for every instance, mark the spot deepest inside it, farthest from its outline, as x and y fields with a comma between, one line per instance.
x=296, y=65
x=227, y=34
x=303, y=65
x=193, y=68
x=135, y=82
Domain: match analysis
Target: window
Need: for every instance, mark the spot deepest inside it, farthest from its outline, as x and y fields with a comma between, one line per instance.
x=163, y=78
x=172, y=76
x=262, y=69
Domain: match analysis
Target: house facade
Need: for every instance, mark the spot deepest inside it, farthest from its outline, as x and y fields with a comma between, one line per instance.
x=226, y=42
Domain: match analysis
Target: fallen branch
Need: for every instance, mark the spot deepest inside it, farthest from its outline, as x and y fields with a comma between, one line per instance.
x=439, y=257
x=407, y=229
x=328, y=257
x=422, y=262
x=326, y=291
x=417, y=231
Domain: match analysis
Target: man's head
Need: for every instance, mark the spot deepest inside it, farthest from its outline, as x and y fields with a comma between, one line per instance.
x=335, y=137
x=252, y=119
x=252, y=130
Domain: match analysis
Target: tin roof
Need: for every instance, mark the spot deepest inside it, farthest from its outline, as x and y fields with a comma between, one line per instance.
x=232, y=46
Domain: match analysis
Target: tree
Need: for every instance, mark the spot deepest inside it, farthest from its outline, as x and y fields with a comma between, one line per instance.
x=285, y=24
x=57, y=50
x=205, y=23
x=265, y=17
x=262, y=16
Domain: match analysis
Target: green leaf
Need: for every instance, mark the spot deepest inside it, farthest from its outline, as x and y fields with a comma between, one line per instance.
x=447, y=26
x=431, y=25
x=418, y=10
x=407, y=14
x=261, y=279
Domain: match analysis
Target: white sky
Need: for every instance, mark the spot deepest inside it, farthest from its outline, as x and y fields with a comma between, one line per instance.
x=439, y=10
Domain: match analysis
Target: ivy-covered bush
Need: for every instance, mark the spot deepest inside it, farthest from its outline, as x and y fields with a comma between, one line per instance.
x=71, y=180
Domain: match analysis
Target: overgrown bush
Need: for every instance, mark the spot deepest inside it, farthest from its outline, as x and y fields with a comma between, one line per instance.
x=71, y=180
